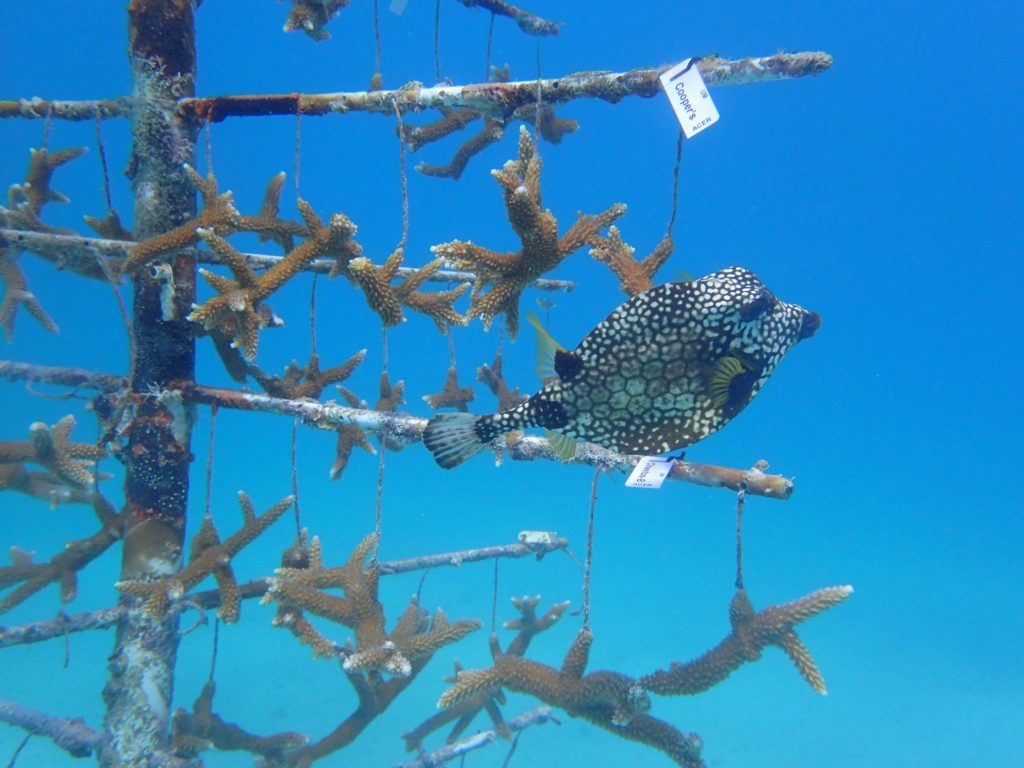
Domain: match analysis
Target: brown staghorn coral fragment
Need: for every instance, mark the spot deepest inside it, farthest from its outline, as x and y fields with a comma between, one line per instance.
x=26, y=200
x=36, y=190
x=16, y=293
x=611, y=700
x=501, y=277
x=349, y=437
x=238, y=312
x=311, y=17
x=376, y=651
x=463, y=713
x=451, y=120
x=218, y=214
x=64, y=566
x=389, y=396
x=492, y=376
x=267, y=224
x=109, y=227
x=634, y=276
x=209, y=556
x=376, y=285
x=387, y=300
x=492, y=131
x=488, y=695
x=751, y=633
x=528, y=22
x=308, y=380
x=452, y=396
x=201, y=729
x=437, y=305
x=52, y=448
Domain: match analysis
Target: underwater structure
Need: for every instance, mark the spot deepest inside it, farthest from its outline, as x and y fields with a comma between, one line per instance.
x=145, y=417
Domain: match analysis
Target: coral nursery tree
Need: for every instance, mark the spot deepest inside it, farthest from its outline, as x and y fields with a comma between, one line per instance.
x=145, y=414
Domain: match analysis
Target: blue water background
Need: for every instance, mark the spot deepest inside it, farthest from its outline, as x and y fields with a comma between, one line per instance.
x=884, y=194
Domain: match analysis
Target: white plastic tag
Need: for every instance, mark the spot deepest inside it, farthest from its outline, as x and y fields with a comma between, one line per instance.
x=689, y=96
x=397, y=7
x=650, y=472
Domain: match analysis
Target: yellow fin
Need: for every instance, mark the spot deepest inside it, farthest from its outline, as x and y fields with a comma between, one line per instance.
x=725, y=370
x=563, y=445
x=546, y=347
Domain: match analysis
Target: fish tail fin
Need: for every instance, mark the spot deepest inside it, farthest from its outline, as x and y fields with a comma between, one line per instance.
x=452, y=438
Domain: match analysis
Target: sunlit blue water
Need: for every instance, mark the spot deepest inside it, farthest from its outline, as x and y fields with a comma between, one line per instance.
x=884, y=194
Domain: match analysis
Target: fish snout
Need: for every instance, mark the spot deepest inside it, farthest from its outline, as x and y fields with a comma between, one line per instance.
x=809, y=324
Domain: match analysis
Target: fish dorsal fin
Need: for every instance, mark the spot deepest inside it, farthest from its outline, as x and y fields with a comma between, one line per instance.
x=547, y=348
x=563, y=445
x=567, y=365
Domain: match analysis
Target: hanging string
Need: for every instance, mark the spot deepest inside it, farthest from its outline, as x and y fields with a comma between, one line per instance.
x=216, y=643
x=47, y=121
x=298, y=140
x=490, y=38
x=295, y=478
x=126, y=321
x=741, y=496
x=209, y=143
x=451, y=346
x=590, y=550
x=380, y=495
x=405, y=180
x=376, y=39
x=437, y=38
x=419, y=586
x=380, y=460
x=675, y=183
x=209, y=460
x=494, y=598
x=101, y=151
x=536, y=111
x=312, y=316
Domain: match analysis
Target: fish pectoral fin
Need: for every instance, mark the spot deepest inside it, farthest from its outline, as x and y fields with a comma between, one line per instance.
x=567, y=365
x=547, y=348
x=563, y=445
x=722, y=375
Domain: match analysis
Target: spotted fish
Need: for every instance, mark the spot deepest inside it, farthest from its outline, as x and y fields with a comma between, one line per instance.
x=667, y=368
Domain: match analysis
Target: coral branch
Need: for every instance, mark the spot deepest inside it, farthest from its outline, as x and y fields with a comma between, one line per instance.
x=752, y=632
x=70, y=734
x=504, y=275
x=209, y=556
x=502, y=99
x=442, y=755
x=530, y=23
x=202, y=729
x=405, y=429
x=80, y=255
x=62, y=626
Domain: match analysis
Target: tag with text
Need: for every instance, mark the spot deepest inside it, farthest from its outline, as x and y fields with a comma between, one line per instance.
x=650, y=472
x=693, y=106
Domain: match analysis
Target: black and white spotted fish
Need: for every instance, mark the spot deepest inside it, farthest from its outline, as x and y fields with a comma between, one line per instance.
x=667, y=368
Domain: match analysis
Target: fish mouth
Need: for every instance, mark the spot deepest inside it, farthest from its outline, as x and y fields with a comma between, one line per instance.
x=810, y=324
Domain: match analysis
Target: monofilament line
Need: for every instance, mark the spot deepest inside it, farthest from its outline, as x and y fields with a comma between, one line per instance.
x=209, y=460
x=590, y=549
x=741, y=496
x=675, y=183
x=405, y=179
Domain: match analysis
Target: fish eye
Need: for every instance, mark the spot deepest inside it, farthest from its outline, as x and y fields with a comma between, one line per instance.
x=757, y=306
